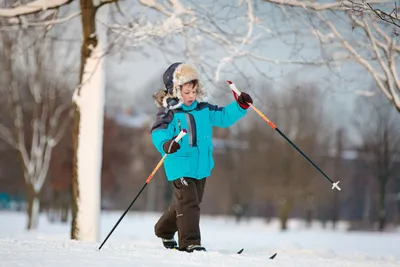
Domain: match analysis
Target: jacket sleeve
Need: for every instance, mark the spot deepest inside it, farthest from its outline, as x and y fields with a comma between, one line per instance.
x=226, y=116
x=162, y=129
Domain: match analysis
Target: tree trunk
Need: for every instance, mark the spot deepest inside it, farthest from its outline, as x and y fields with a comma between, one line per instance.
x=367, y=206
x=64, y=213
x=33, y=207
x=88, y=127
x=381, y=205
x=309, y=210
x=284, y=210
x=309, y=217
x=335, y=211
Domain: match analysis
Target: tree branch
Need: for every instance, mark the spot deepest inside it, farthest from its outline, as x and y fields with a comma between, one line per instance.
x=377, y=76
x=19, y=130
x=391, y=18
x=32, y=7
x=105, y=2
x=7, y=136
x=376, y=50
x=43, y=23
x=335, y=5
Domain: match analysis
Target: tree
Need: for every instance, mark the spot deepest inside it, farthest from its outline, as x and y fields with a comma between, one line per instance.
x=347, y=37
x=380, y=146
x=301, y=116
x=37, y=108
x=386, y=11
x=334, y=206
x=222, y=39
x=88, y=103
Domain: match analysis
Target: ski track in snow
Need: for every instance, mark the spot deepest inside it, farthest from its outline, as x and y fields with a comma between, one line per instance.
x=133, y=244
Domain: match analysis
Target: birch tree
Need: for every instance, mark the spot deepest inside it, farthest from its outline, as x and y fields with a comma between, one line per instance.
x=36, y=109
x=346, y=34
x=88, y=103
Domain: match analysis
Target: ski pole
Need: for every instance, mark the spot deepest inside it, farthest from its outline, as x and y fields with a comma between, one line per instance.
x=180, y=135
x=334, y=185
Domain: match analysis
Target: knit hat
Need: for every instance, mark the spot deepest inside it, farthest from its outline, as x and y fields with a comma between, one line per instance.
x=174, y=77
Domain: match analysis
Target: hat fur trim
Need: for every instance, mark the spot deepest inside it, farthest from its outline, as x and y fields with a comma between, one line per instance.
x=184, y=73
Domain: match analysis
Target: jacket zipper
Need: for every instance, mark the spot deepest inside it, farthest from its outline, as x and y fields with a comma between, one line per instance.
x=192, y=130
x=179, y=125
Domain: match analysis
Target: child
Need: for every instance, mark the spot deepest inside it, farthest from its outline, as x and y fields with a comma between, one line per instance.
x=190, y=161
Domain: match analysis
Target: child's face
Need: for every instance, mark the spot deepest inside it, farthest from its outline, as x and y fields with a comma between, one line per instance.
x=188, y=93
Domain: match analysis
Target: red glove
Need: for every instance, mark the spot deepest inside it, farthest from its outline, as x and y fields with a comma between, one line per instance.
x=243, y=100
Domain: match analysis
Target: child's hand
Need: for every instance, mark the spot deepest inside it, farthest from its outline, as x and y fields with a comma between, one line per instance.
x=243, y=99
x=171, y=146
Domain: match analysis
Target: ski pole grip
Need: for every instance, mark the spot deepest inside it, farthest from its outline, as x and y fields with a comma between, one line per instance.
x=180, y=135
x=234, y=88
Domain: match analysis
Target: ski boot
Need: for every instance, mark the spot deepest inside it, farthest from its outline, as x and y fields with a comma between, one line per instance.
x=192, y=248
x=170, y=243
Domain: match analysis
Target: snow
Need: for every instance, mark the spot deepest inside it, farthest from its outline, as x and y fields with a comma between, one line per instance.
x=133, y=244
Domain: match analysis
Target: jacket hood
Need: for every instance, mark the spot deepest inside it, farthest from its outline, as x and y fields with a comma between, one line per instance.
x=174, y=77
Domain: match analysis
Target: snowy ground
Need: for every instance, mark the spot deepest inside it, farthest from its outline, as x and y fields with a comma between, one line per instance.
x=134, y=244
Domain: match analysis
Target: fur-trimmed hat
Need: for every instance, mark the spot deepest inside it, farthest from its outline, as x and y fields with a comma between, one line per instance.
x=174, y=77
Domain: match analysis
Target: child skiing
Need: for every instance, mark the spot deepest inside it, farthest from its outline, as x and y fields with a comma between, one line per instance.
x=190, y=161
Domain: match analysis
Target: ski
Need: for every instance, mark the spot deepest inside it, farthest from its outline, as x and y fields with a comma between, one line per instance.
x=241, y=250
x=273, y=256
x=212, y=250
x=237, y=252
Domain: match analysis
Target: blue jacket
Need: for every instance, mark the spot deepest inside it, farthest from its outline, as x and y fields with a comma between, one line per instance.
x=194, y=159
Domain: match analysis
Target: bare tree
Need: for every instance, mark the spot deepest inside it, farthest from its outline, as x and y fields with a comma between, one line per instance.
x=223, y=38
x=334, y=207
x=236, y=180
x=345, y=35
x=380, y=132
x=88, y=101
x=386, y=11
x=300, y=114
x=37, y=108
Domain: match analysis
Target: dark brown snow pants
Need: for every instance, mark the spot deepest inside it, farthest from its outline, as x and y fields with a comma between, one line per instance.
x=183, y=215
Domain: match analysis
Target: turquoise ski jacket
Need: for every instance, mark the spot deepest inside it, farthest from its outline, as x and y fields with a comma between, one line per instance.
x=194, y=159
